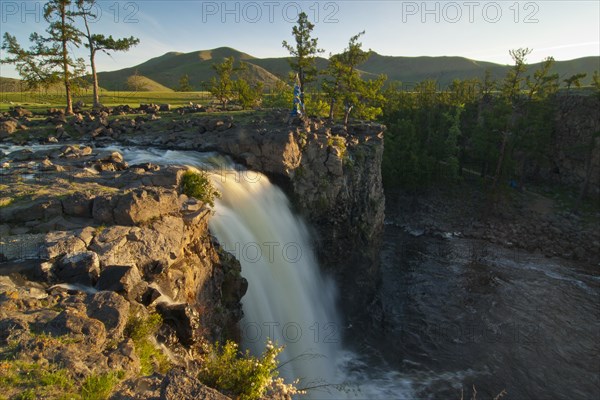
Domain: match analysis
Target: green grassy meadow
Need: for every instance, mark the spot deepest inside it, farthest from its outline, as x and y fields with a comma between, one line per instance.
x=39, y=101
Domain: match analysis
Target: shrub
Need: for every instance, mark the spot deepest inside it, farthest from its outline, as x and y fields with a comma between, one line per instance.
x=99, y=387
x=141, y=330
x=242, y=375
x=198, y=185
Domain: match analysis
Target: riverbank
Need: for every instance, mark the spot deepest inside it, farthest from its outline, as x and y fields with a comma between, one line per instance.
x=539, y=221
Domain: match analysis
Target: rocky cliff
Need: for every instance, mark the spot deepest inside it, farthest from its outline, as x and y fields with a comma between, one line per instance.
x=576, y=143
x=332, y=175
x=98, y=227
x=103, y=251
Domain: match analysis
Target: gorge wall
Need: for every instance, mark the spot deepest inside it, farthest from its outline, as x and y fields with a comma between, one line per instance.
x=575, y=151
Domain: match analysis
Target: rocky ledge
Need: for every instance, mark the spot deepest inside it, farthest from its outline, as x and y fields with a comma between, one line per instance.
x=109, y=272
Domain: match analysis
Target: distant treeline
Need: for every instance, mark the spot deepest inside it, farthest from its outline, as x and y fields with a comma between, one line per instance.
x=502, y=129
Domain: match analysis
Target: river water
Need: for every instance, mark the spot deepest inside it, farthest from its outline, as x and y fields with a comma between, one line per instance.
x=459, y=313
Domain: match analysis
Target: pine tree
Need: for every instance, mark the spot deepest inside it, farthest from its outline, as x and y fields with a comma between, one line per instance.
x=574, y=80
x=29, y=63
x=346, y=86
x=98, y=42
x=304, y=52
x=184, y=83
x=48, y=59
x=62, y=32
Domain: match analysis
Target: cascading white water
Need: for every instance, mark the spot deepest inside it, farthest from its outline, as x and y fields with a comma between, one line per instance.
x=287, y=300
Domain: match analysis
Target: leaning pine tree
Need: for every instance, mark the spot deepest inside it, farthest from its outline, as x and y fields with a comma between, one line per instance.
x=98, y=42
x=346, y=86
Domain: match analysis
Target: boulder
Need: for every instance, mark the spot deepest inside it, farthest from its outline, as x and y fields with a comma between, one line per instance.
x=183, y=318
x=82, y=267
x=169, y=177
x=47, y=165
x=20, y=155
x=78, y=205
x=112, y=309
x=181, y=385
x=8, y=127
x=102, y=209
x=20, y=112
x=142, y=205
x=112, y=161
x=13, y=328
x=61, y=243
x=124, y=358
x=77, y=325
x=125, y=280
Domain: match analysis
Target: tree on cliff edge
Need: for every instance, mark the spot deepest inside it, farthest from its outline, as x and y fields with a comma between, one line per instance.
x=346, y=87
x=304, y=52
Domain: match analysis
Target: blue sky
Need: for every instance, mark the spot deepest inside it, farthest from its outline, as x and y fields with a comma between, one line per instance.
x=481, y=30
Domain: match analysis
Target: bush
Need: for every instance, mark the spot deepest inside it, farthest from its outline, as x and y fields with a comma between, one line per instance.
x=99, y=387
x=141, y=330
x=242, y=375
x=198, y=185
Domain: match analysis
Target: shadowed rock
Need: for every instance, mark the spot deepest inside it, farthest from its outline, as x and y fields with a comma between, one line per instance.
x=82, y=268
x=125, y=280
x=180, y=385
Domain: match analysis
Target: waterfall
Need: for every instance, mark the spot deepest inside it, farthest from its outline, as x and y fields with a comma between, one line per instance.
x=288, y=300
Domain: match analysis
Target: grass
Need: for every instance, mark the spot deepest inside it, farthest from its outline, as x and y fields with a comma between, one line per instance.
x=100, y=387
x=28, y=380
x=23, y=378
x=39, y=102
x=141, y=330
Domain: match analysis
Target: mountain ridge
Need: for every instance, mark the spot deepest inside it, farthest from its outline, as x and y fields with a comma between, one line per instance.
x=197, y=65
x=167, y=69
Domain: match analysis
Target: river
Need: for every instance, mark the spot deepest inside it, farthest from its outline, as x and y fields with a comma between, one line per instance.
x=459, y=313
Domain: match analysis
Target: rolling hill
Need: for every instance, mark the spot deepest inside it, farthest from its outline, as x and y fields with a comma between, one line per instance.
x=10, y=85
x=410, y=70
x=165, y=71
x=170, y=67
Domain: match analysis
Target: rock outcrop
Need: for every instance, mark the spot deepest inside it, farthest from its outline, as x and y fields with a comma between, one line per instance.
x=575, y=151
x=333, y=177
x=106, y=248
